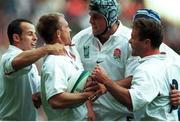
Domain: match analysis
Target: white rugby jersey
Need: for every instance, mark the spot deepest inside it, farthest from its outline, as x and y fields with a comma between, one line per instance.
x=56, y=72
x=113, y=56
x=16, y=88
x=151, y=86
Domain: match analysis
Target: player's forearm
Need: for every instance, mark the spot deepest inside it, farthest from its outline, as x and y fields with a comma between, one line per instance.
x=65, y=100
x=120, y=93
x=89, y=105
x=126, y=83
x=29, y=57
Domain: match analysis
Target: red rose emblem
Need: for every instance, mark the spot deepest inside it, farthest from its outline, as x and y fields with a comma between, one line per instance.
x=117, y=53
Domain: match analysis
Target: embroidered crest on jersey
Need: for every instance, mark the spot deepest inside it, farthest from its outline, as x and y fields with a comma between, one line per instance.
x=86, y=51
x=117, y=54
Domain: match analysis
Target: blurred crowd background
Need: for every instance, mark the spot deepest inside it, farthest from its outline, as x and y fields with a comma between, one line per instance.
x=76, y=13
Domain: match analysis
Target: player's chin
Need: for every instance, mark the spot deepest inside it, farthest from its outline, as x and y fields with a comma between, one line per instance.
x=28, y=48
x=95, y=34
x=32, y=47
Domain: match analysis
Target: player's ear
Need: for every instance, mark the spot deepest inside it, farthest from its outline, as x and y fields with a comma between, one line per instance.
x=16, y=38
x=58, y=33
x=147, y=43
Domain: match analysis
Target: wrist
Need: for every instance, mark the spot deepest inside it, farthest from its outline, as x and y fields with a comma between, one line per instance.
x=108, y=83
x=105, y=90
x=45, y=50
x=48, y=49
x=86, y=95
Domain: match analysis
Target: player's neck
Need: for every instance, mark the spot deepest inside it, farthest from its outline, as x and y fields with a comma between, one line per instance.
x=69, y=54
x=150, y=52
x=103, y=38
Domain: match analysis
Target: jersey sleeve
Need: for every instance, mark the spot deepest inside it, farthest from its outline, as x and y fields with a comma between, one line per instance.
x=131, y=62
x=143, y=89
x=35, y=82
x=55, y=77
x=9, y=71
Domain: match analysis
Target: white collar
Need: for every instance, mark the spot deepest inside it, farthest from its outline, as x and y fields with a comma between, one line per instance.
x=160, y=56
x=12, y=47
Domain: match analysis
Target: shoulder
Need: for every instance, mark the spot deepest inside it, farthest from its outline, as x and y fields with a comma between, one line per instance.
x=170, y=52
x=122, y=36
x=152, y=66
x=8, y=57
x=52, y=61
x=11, y=52
x=54, y=58
x=124, y=31
x=82, y=34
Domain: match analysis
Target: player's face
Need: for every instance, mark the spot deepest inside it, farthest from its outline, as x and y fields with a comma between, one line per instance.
x=65, y=32
x=136, y=44
x=97, y=22
x=28, y=38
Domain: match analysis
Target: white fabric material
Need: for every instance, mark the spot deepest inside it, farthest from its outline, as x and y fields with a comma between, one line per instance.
x=91, y=50
x=171, y=54
x=72, y=81
x=78, y=82
x=16, y=88
x=106, y=107
x=151, y=86
x=55, y=75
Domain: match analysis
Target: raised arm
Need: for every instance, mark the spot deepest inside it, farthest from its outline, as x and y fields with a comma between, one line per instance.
x=29, y=57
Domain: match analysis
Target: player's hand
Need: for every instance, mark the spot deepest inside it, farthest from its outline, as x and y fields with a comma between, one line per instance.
x=99, y=74
x=174, y=96
x=56, y=49
x=36, y=98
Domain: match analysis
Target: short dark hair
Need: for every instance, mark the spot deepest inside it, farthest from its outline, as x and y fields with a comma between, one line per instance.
x=48, y=24
x=149, y=29
x=15, y=28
